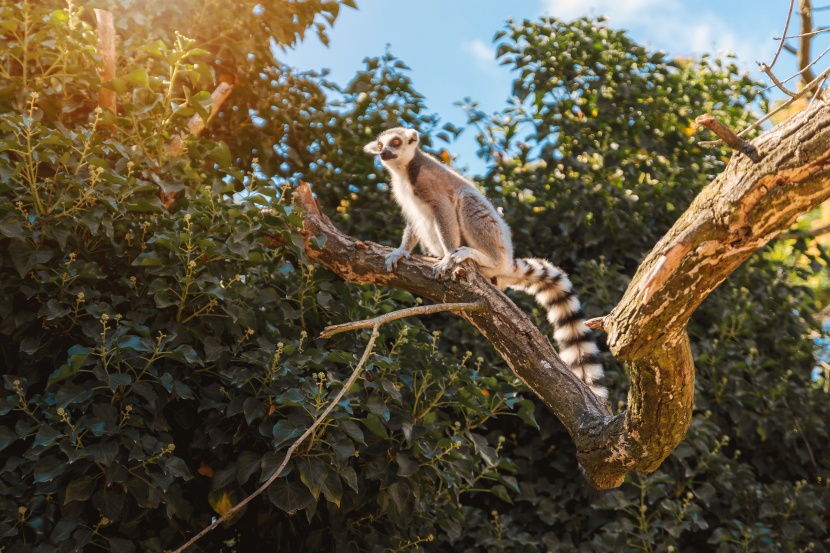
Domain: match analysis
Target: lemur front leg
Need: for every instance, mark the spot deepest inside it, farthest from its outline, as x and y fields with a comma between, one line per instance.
x=449, y=234
x=409, y=241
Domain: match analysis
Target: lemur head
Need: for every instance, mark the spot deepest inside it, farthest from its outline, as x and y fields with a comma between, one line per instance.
x=396, y=147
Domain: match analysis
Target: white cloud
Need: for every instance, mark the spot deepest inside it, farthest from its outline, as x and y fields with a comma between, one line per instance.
x=680, y=28
x=483, y=55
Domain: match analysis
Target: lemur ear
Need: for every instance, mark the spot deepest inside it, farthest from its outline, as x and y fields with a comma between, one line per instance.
x=372, y=148
x=411, y=136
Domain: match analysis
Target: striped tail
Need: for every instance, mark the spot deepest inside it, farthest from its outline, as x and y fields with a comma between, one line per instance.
x=554, y=292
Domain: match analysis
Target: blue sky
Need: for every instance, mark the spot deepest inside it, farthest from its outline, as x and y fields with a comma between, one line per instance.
x=448, y=43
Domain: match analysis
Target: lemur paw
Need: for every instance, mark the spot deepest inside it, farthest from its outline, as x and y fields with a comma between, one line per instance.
x=444, y=267
x=393, y=258
x=461, y=255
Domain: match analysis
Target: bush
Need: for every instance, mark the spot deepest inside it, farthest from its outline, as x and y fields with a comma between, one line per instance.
x=158, y=363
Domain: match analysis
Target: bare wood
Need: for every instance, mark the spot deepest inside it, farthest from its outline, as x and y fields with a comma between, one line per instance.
x=330, y=331
x=740, y=211
x=596, y=323
x=196, y=124
x=728, y=136
x=107, y=98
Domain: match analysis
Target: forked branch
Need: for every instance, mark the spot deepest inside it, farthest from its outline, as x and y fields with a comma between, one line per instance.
x=739, y=212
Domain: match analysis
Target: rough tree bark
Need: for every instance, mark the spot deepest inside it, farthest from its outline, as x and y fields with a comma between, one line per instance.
x=739, y=212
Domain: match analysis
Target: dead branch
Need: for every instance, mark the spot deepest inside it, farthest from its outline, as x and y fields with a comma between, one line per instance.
x=728, y=136
x=107, y=98
x=239, y=506
x=195, y=126
x=739, y=212
x=330, y=331
x=374, y=324
x=806, y=13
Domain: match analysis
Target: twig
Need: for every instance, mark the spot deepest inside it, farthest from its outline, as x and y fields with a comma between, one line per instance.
x=106, y=48
x=768, y=70
x=802, y=35
x=790, y=49
x=824, y=75
x=812, y=233
x=330, y=331
x=798, y=95
x=348, y=384
x=728, y=136
x=786, y=26
x=819, y=88
x=800, y=71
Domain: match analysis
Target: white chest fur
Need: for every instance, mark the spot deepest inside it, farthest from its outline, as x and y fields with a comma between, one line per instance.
x=414, y=210
x=417, y=213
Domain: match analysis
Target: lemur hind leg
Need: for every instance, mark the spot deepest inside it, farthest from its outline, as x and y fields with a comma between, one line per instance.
x=486, y=238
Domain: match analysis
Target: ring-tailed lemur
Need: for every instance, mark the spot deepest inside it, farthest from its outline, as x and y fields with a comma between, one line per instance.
x=453, y=221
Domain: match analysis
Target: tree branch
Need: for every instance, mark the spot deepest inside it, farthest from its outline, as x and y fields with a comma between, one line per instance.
x=806, y=37
x=107, y=98
x=739, y=212
x=330, y=331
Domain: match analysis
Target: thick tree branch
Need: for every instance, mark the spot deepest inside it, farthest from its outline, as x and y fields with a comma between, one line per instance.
x=745, y=207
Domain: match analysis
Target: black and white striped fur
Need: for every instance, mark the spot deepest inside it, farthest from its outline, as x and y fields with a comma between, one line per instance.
x=454, y=221
x=554, y=292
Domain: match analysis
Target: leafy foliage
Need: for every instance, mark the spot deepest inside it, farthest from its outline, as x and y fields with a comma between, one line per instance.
x=158, y=363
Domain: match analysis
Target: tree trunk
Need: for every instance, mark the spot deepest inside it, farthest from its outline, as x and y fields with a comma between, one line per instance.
x=739, y=212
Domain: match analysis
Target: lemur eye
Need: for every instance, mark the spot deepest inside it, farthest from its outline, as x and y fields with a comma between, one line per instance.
x=380, y=145
x=396, y=142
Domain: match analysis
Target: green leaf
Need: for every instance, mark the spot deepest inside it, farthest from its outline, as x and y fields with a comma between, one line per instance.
x=375, y=425
x=138, y=78
x=7, y=437
x=148, y=259
x=289, y=496
x=79, y=489
x=247, y=464
x=285, y=430
x=25, y=255
x=312, y=473
x=350, y=476
x=332, y=488
x=353, y=430
x=71, y=393
x=47, y=435
x=48, y=468
x=399, y=492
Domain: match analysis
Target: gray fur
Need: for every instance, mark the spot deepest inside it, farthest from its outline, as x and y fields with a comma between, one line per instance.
x=454, y=221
